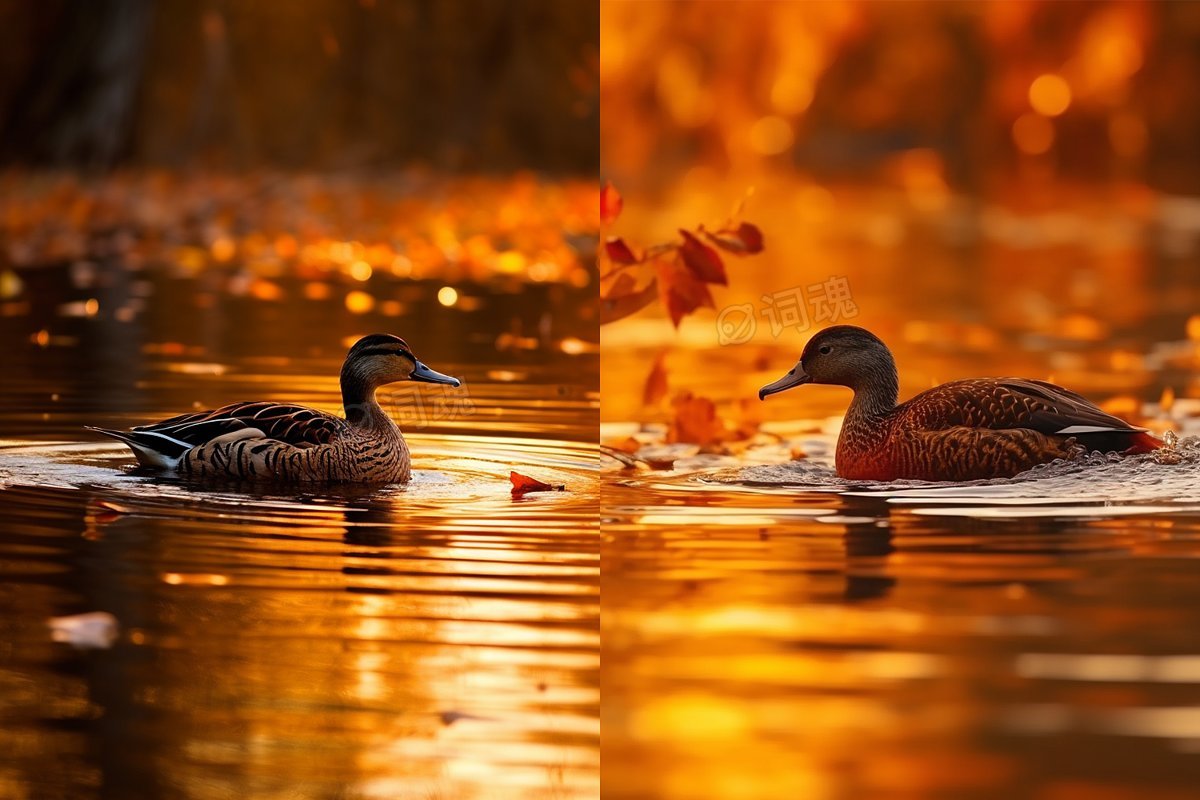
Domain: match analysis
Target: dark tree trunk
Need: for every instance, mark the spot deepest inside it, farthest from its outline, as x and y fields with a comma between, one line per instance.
x=72, y=101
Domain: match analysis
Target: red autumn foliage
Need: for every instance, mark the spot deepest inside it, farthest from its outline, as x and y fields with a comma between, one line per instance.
x=656, y=382
x=702, y=259
x=696, y=421
x=745, y=239
x=523, y=483
x=680, y=291
x=678, y=272
x=611, y=203
x=618, y=252
x=624, y=298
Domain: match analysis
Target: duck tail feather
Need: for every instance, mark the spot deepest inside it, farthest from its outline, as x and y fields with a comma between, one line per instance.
x=1143, y=442
x=154, y=450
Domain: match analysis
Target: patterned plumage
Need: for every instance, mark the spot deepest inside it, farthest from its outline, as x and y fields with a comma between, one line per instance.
x=964, y=430
x=263, y=441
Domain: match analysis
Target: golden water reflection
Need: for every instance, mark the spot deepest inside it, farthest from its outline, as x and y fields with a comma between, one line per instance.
x=437, y=640
x=359, y=647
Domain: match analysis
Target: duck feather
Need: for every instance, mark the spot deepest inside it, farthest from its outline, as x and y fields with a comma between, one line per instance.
x=299, y=426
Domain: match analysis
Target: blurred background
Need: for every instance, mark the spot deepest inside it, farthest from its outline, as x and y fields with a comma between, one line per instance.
x=270, y=179
x=204, y=202
x=932, y=154
x=1003, y=188
x=314, y=84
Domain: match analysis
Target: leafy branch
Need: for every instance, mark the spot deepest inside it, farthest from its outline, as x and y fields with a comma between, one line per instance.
x=679, y=272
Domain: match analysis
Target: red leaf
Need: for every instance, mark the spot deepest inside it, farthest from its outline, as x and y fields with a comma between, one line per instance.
x=744, y=240
x=610, y=203
x=696, y=421
x=680, y=291
x=523, y=483
x=623, y=300
x=619, y=252
x=656, y=382
x=625, y=284
x=702, y=259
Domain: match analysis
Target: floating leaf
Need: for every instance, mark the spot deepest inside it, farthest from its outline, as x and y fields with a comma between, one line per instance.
x=523, y=483
x=627, y=461
x=656, y=382
x=611, y=203
x=746, y=239
x=702, y=260
x=623, y=299
x=628, y=444
x=619, y=252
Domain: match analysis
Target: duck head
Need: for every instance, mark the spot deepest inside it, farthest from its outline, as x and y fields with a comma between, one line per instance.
x=844, y=355
x=382, y=358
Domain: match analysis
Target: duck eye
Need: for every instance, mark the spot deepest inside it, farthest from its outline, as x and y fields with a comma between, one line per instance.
x=826, y=350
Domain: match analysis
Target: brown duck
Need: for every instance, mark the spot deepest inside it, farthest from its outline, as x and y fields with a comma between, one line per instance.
x=964, y=430
x=264, y=441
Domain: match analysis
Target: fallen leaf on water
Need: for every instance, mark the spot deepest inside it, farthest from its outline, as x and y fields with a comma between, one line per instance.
x=629, y=444
x=611, y=203
x=523, y=483
x=96, y=630
x=664, y=456
x=656, y=382
x=627, y=461
x=659, y=463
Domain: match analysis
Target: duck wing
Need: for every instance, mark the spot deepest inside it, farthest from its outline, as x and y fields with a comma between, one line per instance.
x=1048, y=408
x=1005, y=403
x=296, y=425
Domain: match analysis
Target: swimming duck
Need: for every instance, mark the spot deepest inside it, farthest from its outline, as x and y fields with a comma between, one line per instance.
x=963, y=430
x=264, y=441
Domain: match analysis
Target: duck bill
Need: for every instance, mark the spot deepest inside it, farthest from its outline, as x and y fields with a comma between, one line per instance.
x=795, y=377
x=426, y=375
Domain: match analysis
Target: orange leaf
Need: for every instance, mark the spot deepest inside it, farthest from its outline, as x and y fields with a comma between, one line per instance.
x=744, y=240
x=523, y=483
x=656, y=382
x=681, y=292
x=611, y=203
x=747, y=418
x=623, y=300
x=626, y=445
x=623, y=285
x=619, y=252
x=696, y=421
x=702, y=260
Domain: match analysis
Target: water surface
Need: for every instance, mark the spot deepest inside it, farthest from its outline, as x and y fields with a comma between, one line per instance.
x=434, y=640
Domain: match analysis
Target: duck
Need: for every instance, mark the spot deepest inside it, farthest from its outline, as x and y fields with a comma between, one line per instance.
x=959, y=431
x=263, y=441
